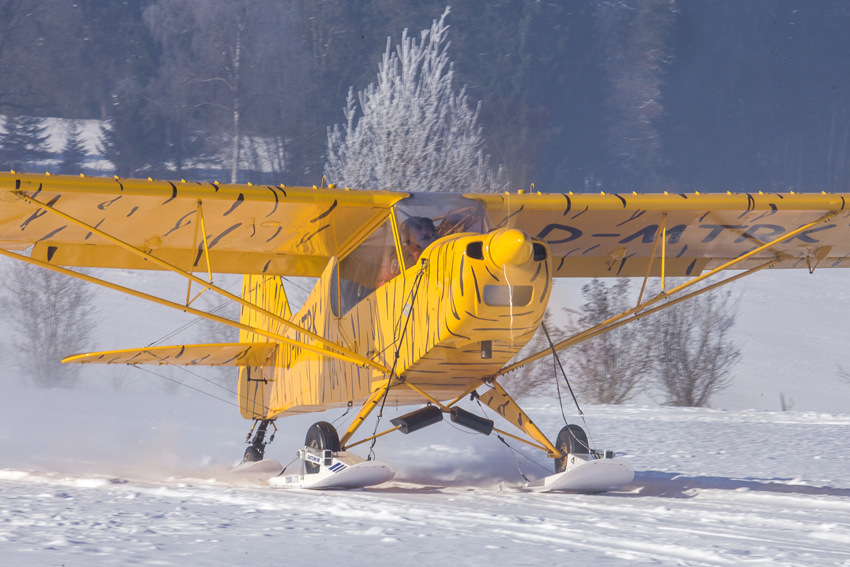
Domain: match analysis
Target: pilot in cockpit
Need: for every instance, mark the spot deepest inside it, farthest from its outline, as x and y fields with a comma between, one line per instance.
x=416, y=233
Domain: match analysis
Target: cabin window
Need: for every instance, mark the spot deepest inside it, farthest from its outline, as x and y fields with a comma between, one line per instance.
x=369, y=266
x=424, y=218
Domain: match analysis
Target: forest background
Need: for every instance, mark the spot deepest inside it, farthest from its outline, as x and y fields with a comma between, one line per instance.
x=644, y=95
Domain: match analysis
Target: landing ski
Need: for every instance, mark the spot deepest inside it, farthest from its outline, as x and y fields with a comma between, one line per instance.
x=587, y=475
x=337, y=470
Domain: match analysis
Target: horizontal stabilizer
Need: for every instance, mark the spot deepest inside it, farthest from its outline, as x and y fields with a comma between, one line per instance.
x=224, y=354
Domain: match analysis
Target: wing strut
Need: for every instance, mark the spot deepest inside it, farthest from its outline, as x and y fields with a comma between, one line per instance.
x=199, y=221
x=639, y=311
x=190, y=310
x=349, y=355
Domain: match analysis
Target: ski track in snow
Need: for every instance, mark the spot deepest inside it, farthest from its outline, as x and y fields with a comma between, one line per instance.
x=83, y=521
x=712, y=488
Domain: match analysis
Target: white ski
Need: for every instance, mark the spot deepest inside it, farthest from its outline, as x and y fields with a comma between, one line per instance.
x=586, y=475
x=336, y=471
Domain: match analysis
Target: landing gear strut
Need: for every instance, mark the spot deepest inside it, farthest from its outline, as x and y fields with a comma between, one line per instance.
x=257, y=449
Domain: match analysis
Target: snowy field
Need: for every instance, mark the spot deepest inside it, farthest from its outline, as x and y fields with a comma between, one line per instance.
x=103, y=478
x=127, y=469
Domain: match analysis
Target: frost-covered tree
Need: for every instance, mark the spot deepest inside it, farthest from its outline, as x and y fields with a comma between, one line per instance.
x=610, y=368
x=695, y=351
x=52, y=316
x=415, y=132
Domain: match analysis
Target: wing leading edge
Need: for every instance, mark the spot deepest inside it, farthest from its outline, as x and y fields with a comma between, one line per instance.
x=226, y=354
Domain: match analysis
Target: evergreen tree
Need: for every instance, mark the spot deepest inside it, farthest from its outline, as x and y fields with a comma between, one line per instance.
x=23, y=143
x=73, y=153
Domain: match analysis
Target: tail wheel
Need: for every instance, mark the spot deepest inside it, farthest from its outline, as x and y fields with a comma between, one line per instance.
x=253, y=454
x=571, y=439
x=321, y=436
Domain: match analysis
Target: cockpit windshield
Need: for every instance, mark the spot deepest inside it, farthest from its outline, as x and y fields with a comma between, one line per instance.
x=425, y=217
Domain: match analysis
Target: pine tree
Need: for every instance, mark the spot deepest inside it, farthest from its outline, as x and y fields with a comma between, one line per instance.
x=74, y=152
x=23, y=143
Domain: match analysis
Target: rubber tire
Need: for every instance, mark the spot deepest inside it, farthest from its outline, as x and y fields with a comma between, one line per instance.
x=321, y=436
x=252, y=455
x=571, y=439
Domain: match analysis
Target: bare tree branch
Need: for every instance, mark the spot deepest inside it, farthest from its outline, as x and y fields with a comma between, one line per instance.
x=53, y=316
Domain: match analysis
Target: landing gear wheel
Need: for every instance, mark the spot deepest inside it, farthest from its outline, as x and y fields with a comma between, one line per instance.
x=321, y=436
x=253, y=454
x=571, y=439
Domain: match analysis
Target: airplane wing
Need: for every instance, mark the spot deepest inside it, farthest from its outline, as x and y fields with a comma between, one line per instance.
x=227, y=354
x=268, y=229
x=294, y=231
x=598, y=235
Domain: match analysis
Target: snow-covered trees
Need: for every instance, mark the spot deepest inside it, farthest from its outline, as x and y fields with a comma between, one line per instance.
x=229, y=67
x=611, y=368
x=23, y=142
x=684, y=353
x=73, y=152
x=52, y=316
x=695, y=350
x=415, y=132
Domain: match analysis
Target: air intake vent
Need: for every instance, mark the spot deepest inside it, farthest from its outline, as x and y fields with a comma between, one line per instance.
x=475, y=250
x=503, y=295
x=539, y=251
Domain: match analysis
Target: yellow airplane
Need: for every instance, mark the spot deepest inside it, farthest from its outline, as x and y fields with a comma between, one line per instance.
x=422, y=299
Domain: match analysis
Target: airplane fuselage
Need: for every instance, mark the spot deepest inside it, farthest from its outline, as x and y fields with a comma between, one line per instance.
x=466, y=306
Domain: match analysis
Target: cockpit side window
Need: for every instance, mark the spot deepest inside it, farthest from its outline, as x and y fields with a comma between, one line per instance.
x=369, y=266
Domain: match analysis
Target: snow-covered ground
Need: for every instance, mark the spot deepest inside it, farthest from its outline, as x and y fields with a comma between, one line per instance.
x=109, y=478
x=126, y=469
